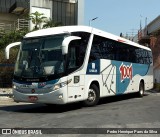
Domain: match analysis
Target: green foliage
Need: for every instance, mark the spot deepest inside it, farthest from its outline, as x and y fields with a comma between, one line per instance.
x=50, y=23
x=6, y=39
x=13, y=56
x=37, y=18
x=6, y=72
x=13, y=36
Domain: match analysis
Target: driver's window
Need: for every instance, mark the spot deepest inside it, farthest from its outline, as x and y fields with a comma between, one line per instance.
x=76, y=51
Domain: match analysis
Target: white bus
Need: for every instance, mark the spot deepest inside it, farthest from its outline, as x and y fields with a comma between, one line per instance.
x=78, y=63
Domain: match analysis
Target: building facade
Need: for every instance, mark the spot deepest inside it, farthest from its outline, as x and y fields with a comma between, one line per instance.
x=150, y=36
x=67, y=12
x=11, y=11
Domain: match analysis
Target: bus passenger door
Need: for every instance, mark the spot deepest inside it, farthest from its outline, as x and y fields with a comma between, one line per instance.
x=76, y=87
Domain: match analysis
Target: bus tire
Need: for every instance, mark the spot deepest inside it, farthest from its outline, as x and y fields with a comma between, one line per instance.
x=93, y=96
x=141, y=89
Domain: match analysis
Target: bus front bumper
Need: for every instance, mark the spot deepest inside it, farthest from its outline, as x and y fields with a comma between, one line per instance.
x=53, y=97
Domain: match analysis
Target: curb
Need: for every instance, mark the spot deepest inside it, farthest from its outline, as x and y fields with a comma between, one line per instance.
x=8, y=95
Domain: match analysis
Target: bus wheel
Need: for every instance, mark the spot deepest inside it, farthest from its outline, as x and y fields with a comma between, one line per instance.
x=93, y=96
x=141, y=90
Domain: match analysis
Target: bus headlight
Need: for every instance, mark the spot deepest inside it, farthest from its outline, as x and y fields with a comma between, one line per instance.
x=60, y=85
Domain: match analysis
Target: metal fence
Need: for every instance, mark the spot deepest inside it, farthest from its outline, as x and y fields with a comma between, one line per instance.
x=21, y=24
x=6, y=75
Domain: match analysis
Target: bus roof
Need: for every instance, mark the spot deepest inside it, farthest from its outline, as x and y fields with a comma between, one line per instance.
x=69, y=29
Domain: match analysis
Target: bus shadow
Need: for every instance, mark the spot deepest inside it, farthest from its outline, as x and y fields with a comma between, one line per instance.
x=42, y=108
x=117, y=98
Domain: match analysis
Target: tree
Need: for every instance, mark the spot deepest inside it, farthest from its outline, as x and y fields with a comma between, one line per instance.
x=37, y=18
x=9, y=37
x=6, y=71
x=50, y=23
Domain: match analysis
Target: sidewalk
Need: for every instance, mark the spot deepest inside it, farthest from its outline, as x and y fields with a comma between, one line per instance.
x=6, y=92
x=6, y=98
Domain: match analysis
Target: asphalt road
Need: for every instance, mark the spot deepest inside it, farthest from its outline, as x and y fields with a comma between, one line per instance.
x=126, y=111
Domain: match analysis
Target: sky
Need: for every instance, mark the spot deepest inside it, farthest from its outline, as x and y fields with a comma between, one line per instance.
x=121, y=16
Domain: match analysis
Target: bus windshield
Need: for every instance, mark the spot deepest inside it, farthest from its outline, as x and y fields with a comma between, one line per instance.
x=40, y=57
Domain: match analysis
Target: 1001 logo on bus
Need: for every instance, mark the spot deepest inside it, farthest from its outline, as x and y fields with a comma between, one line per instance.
x=126, y=71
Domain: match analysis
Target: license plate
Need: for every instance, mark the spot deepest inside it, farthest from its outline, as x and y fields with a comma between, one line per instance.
x=33, y=98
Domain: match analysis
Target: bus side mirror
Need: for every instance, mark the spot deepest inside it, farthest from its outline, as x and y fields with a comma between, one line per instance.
x=66, y=42
x=10, y=46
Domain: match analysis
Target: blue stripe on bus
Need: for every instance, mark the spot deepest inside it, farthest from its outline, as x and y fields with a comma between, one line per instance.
x=39, y=84
x=125, y=71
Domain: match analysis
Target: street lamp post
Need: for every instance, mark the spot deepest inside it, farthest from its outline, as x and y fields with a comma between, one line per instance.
x=92, y=20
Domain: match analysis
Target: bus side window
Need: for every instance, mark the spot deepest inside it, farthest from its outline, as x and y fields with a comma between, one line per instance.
x=81, y=46
x=96, y=49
